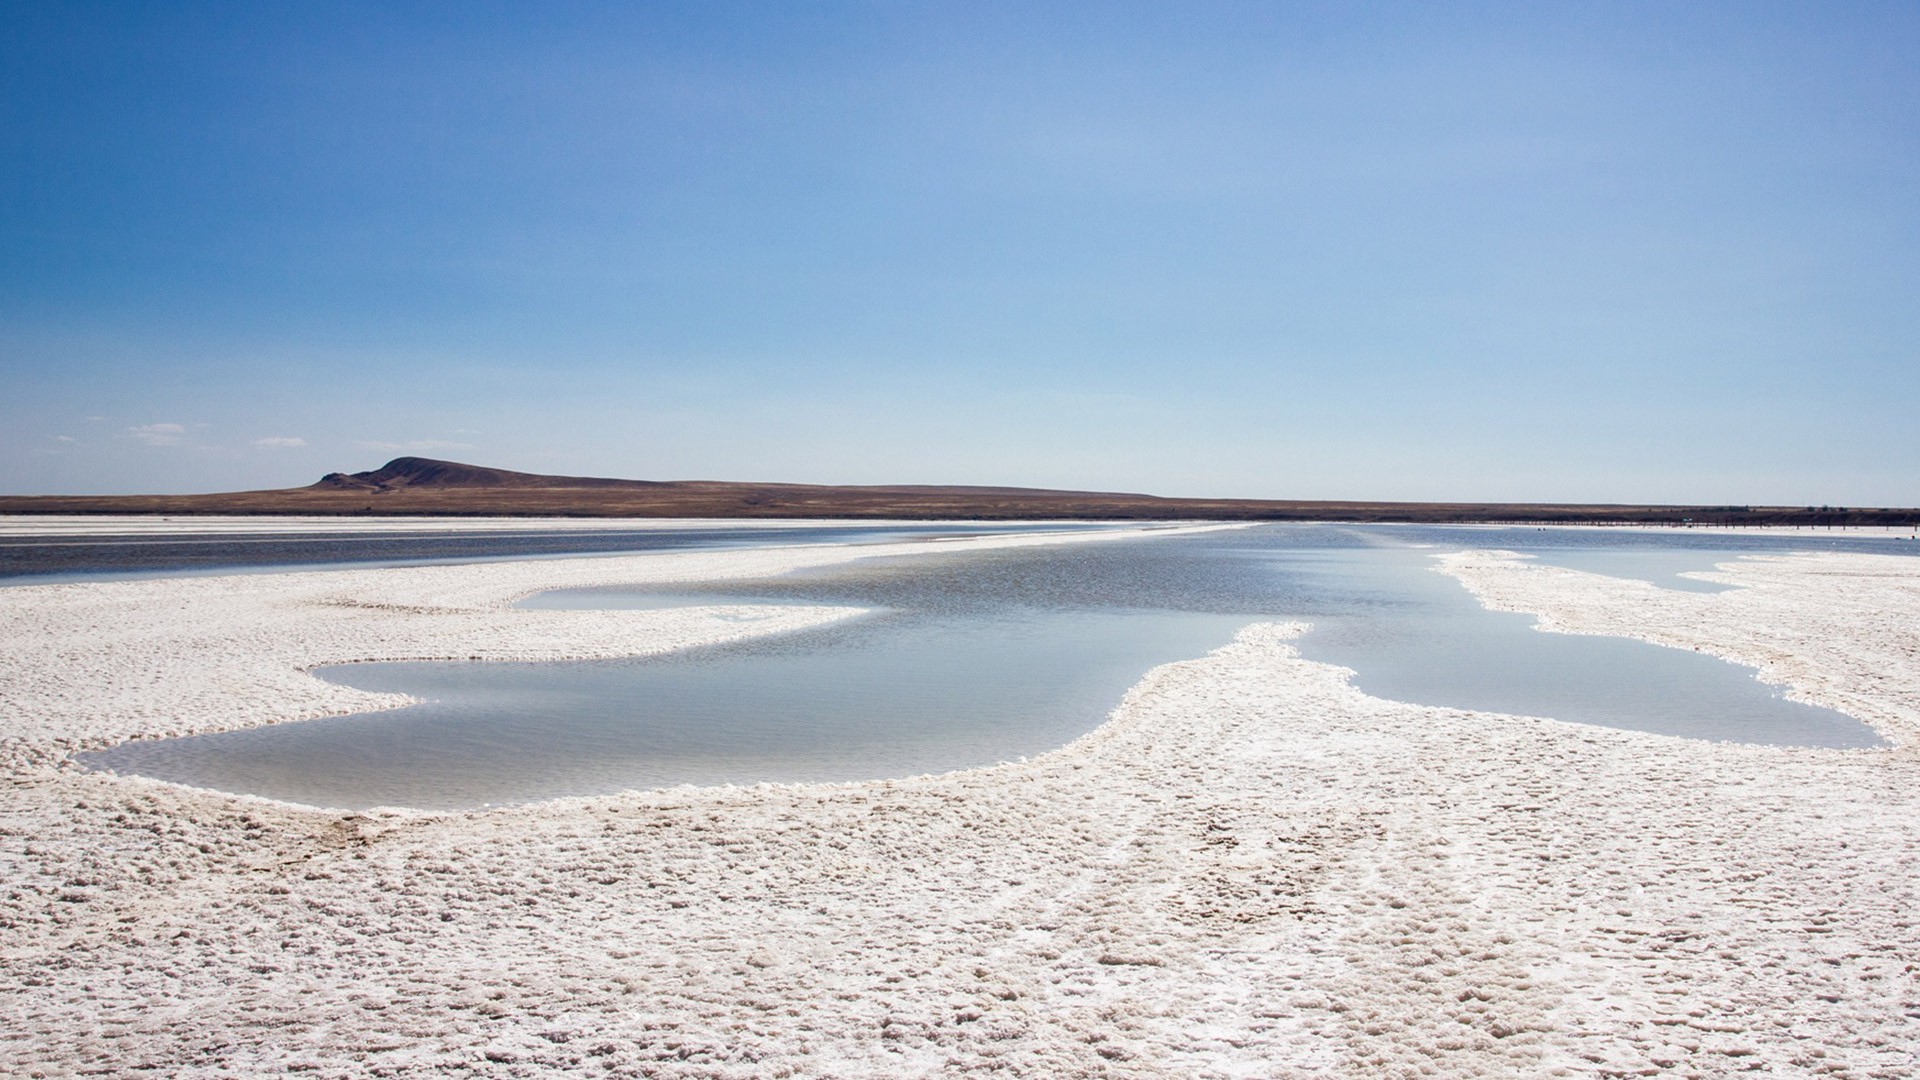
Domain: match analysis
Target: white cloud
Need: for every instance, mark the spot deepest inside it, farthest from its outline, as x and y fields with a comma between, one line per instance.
x=158, y=434
x=65, y=438
x=416, y=444
x=280, y=440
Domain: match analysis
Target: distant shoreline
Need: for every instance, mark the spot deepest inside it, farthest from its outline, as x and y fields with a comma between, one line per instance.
x=423, y=487
x=855, y=504
x=16, y=526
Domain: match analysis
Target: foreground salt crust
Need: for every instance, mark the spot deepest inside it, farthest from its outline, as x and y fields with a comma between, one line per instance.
x=1251, y=870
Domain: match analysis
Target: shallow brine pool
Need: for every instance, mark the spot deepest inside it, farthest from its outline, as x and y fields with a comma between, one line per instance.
x=972, y=659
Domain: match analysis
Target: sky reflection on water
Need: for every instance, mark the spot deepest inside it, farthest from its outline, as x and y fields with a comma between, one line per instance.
x=983, y=657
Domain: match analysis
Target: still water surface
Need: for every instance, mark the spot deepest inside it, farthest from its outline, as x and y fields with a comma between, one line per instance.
x=50, y=558
x=984, y=657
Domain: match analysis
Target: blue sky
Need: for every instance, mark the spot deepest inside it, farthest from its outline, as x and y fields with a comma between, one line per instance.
x=1531, y=252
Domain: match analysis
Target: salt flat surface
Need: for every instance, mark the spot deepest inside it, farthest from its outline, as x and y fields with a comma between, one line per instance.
x=1251, y=870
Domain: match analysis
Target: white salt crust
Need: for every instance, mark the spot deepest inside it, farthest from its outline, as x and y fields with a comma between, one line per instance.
x=1251, y=870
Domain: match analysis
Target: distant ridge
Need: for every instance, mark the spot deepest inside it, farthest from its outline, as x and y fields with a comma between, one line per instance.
x=416, y=472
x=417, y=486
x=419, y=472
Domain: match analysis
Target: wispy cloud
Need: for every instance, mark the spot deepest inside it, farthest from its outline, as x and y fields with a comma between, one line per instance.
x=158, y=434
x=280, y=440
x=416, y=444
x=60, y=444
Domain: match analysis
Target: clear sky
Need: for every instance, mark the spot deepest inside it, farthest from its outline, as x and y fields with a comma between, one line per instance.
x=1558, y=252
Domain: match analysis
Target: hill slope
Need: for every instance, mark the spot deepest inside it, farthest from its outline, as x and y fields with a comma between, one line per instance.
x=418, y=472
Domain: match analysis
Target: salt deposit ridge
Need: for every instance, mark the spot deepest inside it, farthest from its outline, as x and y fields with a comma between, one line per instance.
x=1251, y=870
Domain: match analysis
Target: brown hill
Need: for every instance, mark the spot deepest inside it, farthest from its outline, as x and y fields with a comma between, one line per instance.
x=417, y=472
x=424, y=486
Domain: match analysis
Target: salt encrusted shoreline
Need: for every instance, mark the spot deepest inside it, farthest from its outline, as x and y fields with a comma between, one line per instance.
x=1251, y=870
x=59, y=526
x=1836, y=630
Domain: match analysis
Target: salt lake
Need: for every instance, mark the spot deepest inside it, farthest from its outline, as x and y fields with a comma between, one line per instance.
x=967, y=659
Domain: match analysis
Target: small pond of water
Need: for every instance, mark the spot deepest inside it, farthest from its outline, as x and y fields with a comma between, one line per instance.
x=969, y=659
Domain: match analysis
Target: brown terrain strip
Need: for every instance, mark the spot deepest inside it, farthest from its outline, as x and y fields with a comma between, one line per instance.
x=411, y=486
